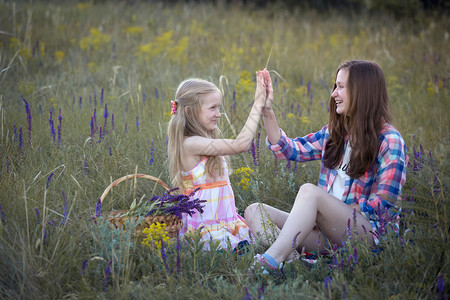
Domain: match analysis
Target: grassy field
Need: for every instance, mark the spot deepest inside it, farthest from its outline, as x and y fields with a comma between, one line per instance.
x=85, y=95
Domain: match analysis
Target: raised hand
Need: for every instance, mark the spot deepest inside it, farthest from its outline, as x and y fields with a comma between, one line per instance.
x=269, y=89
x=261, y=90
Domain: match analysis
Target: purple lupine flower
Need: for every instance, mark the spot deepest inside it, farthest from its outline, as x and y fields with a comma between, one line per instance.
x=152, y=154
x=48, y=180
x=294, y=169
x=294, y=240
x=288, y=164
x=156, y=93
x=95, y=120
x=66, y=209
x=163, y=255
x=100, y=135
x=178, y=252
x=73, y=101
x=80, y=103
x=110, y=151
x=247, y=294
x=137, y=124
x=52, y=126
x=355, y=255
x=106, y=280
x=101, y=97
x=126, y=107
x=308, y=87
x=112, y=121
x=86, y=166
x=38, y=215
x=20, y=140
x=92, y=129
x=261, y=290
x=8, y=163
x=59, y=127
x=440, y=286
x=234, y=95
x=83, y=266
x=258, y=140
x=253, y=151
x=28, y=111
x=98, y=209
x=2, y=215
x=327, y=282
x=126, y=130
x=105, y=115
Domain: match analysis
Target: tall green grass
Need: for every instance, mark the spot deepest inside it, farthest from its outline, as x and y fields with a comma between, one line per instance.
x=60, y=56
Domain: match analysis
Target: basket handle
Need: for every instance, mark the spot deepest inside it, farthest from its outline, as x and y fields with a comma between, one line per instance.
x=130, y=176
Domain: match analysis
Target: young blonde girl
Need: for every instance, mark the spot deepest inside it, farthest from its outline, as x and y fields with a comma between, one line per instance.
x=197, y=159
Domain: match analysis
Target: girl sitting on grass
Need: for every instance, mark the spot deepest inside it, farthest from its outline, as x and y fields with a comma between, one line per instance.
x=197, y=159
x=363, y=168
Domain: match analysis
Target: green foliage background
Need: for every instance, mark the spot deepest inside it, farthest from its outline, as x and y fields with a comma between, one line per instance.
x=61, y=56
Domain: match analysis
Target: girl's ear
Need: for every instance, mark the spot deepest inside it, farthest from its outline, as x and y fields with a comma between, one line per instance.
x=186, y=110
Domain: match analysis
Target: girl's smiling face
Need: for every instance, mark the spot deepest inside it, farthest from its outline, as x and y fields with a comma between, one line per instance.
x=340, y=93
x=210, y=111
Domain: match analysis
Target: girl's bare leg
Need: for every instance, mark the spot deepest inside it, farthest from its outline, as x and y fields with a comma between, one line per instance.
x=313, y=208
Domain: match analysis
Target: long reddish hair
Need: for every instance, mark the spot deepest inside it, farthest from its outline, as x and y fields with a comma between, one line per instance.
x=368, y=111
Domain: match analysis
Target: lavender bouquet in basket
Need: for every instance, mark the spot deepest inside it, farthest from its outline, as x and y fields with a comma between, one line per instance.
x=167, y=204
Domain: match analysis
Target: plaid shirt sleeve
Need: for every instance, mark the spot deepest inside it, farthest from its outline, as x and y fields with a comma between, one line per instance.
x=301, y=149
x=391, y=172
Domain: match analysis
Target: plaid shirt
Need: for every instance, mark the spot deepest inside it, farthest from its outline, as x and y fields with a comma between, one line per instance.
x=374, y=189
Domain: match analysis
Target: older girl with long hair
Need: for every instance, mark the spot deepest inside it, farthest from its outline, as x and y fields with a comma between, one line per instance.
x=363, y=168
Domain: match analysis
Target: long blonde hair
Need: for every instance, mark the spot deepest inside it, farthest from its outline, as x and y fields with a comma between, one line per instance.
x=190, y=93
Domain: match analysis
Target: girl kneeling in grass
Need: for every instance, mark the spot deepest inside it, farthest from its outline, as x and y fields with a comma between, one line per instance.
x=197, y=159
x=363, y=168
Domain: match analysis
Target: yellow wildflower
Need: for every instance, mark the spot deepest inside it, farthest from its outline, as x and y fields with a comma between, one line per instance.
x=244, y=173
x=156, y=233
x=59, y=56
x=95, y=40
x=245, y=85
x=134, y=30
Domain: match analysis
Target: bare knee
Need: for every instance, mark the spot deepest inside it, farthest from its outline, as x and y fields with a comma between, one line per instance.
x=251, y=210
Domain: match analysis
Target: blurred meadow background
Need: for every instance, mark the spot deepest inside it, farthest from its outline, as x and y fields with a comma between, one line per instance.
x=85, y=90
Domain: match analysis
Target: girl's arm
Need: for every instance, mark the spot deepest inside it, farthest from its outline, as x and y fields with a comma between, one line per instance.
x=270, y=120
x=197, y=145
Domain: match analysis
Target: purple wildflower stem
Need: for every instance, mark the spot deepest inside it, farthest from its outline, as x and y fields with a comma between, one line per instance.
x=101, y=97
x=156, y=93
x=38, y=215
x=48, y=181
x=105, y=115
x=3, y=215
x=163, y=255
x=83, y=266
x=152, y=154
x=20, y=140
x=92, y=129
x=8, y=163
x=112, y=121
x=28, y=111
x=98, y=208
x=100, y=135
x=80, y=103
x=52, y=125
x=59, y=127
x=137, y=124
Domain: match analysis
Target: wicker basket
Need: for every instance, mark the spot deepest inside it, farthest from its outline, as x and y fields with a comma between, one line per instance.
x=173, y=223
